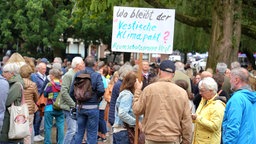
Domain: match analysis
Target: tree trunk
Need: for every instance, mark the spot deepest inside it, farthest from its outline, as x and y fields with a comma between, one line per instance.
x=226, y=32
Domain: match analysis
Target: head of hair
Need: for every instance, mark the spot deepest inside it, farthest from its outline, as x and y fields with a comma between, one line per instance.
x=13, y=67
x=101, y=64
x=124, y=70
x=179, y=66
x=183, y=84
x=221, y=67
x=235, y=64
x=105, y=71
x=55, y=72
x=219, y=78
x=242, y=73
x=16, y=58
x=115, y=75
x=30, y=62
x=76, y=61
x=205, y=74
x=26, y=71
x=15, y=61
x=209, y=84
x=57, y=60
x=128, y=82
x=90, y=61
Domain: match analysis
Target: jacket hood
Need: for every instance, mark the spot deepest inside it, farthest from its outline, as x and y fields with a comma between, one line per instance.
x=250, y=95
x=16, y=78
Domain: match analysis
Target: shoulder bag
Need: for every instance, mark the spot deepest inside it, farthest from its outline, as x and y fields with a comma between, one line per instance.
x=19, y=120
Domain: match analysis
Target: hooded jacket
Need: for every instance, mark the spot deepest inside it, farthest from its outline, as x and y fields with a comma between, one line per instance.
x=239, y=123
x=208, y=122
x=14, y=96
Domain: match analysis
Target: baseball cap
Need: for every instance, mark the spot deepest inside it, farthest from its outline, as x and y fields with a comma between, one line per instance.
x=44, y=60
x=167, y=66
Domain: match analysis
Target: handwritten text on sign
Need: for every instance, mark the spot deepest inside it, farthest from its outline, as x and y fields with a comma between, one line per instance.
x=144, y=30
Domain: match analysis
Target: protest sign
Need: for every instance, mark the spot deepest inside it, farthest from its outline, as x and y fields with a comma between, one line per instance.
x=143, y=30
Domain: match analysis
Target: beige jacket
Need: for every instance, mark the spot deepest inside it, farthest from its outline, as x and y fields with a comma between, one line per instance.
x=31, y=95
x=166, y=110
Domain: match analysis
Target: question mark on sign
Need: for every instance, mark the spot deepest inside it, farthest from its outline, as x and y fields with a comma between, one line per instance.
x=167, y=33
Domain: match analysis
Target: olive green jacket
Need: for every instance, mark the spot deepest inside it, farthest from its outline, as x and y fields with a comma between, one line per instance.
x=14, y=96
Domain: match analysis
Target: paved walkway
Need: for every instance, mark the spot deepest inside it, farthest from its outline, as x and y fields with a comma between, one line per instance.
x=109, y=138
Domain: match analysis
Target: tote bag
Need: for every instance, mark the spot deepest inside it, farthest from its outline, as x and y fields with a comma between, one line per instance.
x=19, y=120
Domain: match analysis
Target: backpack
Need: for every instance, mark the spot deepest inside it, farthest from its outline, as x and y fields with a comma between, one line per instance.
x=82, y=87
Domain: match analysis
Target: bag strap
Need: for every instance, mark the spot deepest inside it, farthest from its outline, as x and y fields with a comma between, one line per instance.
x=22, y=94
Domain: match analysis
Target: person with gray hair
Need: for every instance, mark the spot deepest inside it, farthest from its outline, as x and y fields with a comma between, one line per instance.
x=209, y=114
x=66, y=101
x=180, y=74
x=235, y=64
x=16, y=84
x=87, y=113
x=239, y=123
x=221, y=68
x=123, y=71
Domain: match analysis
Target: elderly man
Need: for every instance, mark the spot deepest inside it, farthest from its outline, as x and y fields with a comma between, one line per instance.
x=88, y=113
x=66, y=101
x=239, y=123
x=166, y=109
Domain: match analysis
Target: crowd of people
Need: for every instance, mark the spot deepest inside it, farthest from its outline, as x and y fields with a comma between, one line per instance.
x=175, y=104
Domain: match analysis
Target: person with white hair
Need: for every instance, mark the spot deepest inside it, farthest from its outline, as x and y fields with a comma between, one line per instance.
x=66, y=101
x=209, y=114
x=16, y=84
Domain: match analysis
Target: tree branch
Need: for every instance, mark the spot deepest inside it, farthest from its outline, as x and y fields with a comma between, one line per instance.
x=248, y=30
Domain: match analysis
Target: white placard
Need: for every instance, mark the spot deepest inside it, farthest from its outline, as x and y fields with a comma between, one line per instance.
x=143, y=30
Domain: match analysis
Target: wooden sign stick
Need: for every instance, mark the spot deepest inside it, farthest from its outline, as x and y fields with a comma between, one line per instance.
x=137, y=117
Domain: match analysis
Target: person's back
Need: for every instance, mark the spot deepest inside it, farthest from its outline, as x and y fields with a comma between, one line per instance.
x=168, y=105
x=166, y=109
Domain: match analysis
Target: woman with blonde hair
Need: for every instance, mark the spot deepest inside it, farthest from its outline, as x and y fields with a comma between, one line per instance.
x=31, y=96
x=16, y=61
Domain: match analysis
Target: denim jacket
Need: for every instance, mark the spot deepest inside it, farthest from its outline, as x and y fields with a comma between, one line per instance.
x=123, y=109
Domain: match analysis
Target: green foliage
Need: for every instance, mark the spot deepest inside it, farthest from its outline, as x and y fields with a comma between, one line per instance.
x=33, y=23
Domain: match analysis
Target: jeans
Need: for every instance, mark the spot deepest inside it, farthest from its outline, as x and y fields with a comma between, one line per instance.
x=48, y=122
x=71, y=128
x=102, y=123
x=121, y=137
x=87, y=119
x=37, y=122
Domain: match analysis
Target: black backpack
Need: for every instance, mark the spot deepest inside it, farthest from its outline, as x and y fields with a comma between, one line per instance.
x=82, y=87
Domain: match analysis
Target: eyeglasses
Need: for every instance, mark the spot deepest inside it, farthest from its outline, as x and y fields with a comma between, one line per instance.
x=5, y=71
